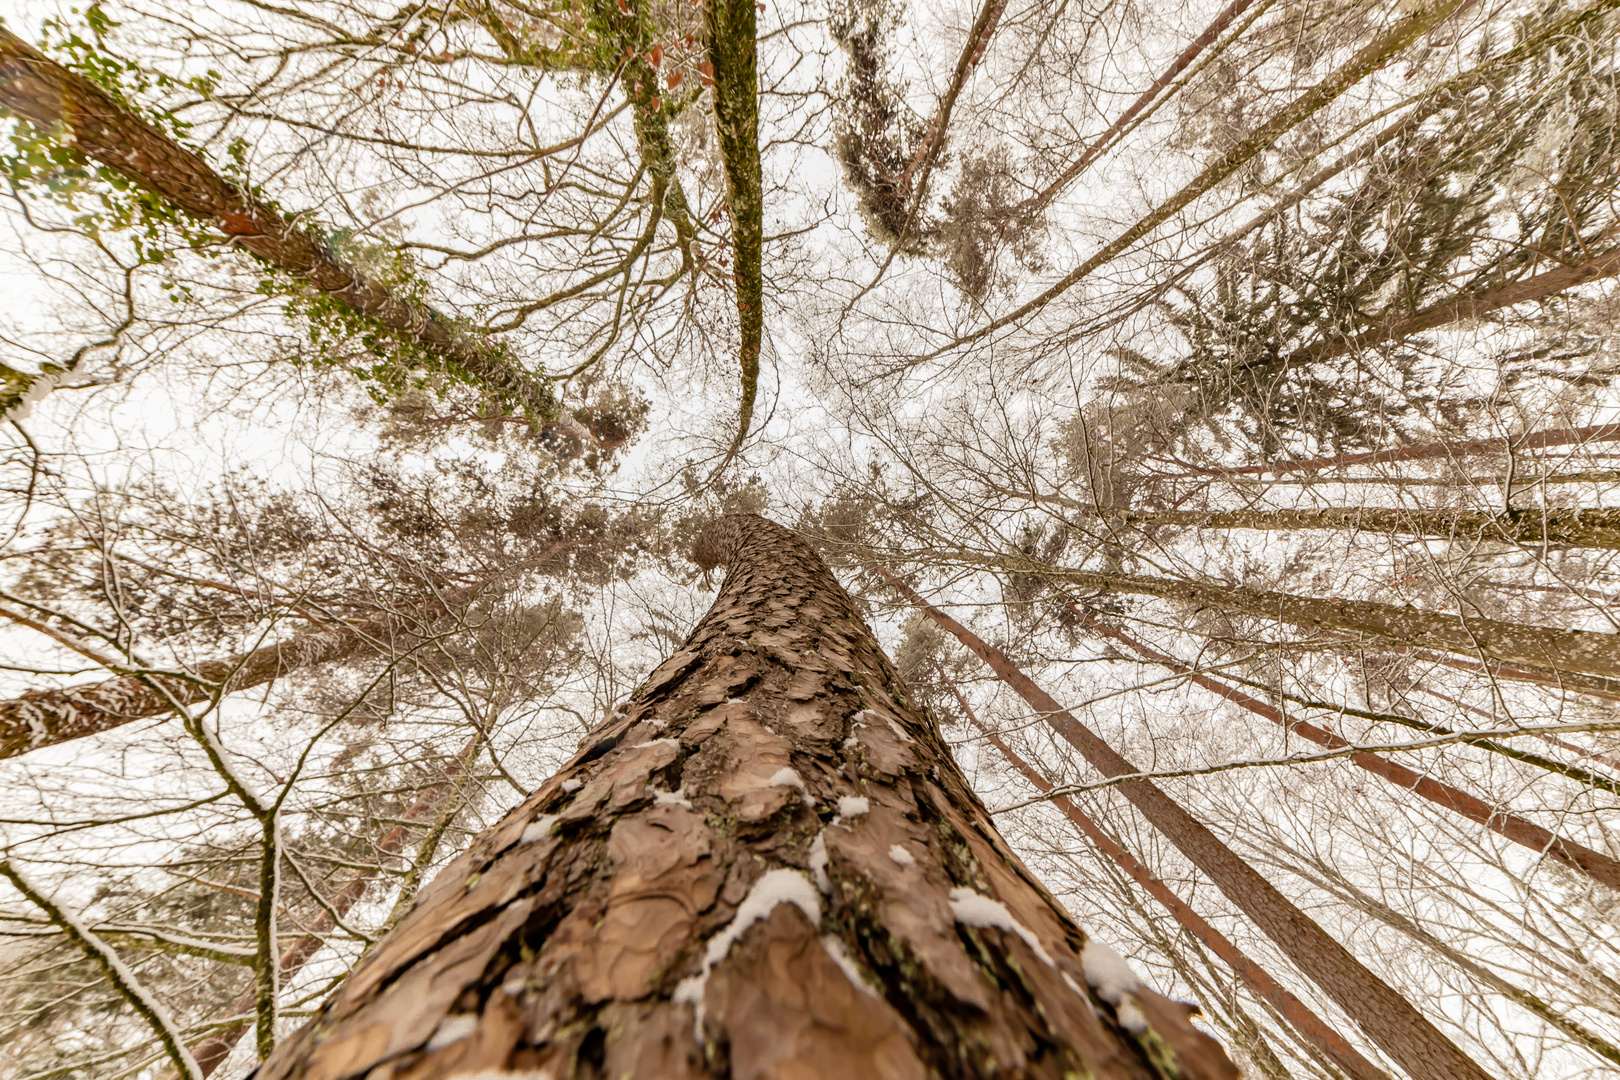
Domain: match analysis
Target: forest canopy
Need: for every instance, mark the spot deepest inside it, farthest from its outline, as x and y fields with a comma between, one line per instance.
x=1211, y=409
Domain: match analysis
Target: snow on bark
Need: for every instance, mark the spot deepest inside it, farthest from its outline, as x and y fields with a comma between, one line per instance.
x=747, y=932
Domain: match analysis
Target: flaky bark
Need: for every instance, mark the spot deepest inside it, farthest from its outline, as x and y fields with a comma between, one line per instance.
x=1388, y=1020
x=54, y=99
x=766, y=865
x=1597, y=528
x=1310, y=1026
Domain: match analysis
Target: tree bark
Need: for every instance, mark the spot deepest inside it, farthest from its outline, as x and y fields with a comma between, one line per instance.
x=1534, y=440
x=1535, y=287
x=1597, y=866
x=1596, y=528
x=51, y=97
x=731, y=40
x=1388, y=1020
x=766, y=865
x=1290, y=1008
x=41, y=718
x=1490, y=640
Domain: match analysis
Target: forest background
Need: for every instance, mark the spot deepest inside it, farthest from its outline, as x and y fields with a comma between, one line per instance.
x=1241, y=375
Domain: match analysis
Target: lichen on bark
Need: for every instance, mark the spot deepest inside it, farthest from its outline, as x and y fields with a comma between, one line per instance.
x=711, y=888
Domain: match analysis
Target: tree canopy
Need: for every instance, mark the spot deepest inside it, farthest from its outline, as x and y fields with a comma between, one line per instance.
x=1212, y=409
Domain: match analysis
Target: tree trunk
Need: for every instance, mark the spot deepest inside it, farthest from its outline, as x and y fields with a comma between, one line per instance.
x=212, y=1051
x=1535, y=440
x=1491, y=640
x=1393, y=328
x=766, y=865
x=1290, y=1008
x=1597, y=528
x=46, y=94
x=41, y=718
x=1388, y=1020
x=1594, y=864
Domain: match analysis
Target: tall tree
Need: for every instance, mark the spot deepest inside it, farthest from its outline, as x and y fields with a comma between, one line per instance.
x=766, y=865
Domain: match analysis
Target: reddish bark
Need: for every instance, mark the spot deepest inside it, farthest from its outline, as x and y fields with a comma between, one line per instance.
x=1388, y=1020
x=1535, y=287
x=766, y=865
x=1597, y=866
x=48, y=95
x=1289, y=1007
x=1534, y=440
x=1188, y=55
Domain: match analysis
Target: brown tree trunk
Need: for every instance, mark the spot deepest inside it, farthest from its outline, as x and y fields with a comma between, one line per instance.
x=1594, y=864
x=46, y=94
x=1535, y=440
x=1388, y=1020
x=1596, y=528
x=41, y=718
x=1535, y=287
x=1290, y=1008
x=1585, y=652
x=767, y=865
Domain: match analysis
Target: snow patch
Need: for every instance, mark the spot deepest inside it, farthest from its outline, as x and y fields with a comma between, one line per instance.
x=666, y=798
x=452, y=1029
x=1108, y=973
x=846, y=963
x=572, y=785
x=853, y=806
x=785, y=777
x=901, y=855
x=774, y=887
x=1131, y=1019
x=538, y=829
x=899, y=731
x=818, y=863
x=655, y=742
x=852, y=742
x=976, y=909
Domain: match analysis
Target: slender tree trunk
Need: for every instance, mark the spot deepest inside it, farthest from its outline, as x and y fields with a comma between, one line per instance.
x=767, y=865
x=1096, y=146
x=212, y=1051
x=1536, y=287
x=730, y=37
x=1597, y=528
x=1535, y=440
x=46, y=94
x=41, y=718
x=1290, y=1008
x=1388, y=1020
x=1597, y=866
x=1491, y=640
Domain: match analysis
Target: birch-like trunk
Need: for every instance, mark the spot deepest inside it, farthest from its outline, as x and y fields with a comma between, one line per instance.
x=766, y=865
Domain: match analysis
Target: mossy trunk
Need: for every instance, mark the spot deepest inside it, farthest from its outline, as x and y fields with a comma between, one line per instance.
x=766, y=864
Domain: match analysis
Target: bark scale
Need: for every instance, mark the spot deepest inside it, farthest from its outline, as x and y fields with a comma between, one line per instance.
x=1387, y=1019
x=765, y=865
